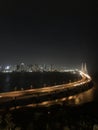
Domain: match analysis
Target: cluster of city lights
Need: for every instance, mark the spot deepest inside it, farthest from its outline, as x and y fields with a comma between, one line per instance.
x=32, y=68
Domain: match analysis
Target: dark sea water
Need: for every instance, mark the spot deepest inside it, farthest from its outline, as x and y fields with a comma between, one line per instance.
x=95, y=80
x=17, y=80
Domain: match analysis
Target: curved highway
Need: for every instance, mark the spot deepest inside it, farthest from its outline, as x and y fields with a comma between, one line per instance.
x=24, y=94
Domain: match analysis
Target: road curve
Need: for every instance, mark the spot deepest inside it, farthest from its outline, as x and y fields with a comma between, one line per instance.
x=14, y=94
x=33, y=93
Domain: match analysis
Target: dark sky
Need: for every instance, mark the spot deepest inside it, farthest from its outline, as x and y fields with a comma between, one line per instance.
x=48, y=32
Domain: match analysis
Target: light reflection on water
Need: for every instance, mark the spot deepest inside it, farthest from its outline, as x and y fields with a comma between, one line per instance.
x=81, y=98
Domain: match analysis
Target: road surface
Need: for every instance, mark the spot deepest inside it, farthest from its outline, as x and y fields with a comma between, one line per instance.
x=23, y=94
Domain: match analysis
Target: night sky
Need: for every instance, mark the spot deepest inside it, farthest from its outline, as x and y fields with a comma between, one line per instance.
x=49, y=32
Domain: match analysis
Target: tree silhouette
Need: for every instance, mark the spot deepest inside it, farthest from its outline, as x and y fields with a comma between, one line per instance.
x=9, y=122
x=1, y=122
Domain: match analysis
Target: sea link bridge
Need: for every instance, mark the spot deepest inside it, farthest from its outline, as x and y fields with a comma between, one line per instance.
x=70, y=93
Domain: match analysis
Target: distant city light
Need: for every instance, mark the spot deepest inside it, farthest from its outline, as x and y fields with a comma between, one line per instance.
x=22, y=67
x=7, y=67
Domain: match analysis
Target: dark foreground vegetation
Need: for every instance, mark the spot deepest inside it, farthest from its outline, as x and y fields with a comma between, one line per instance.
x=57, y=117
